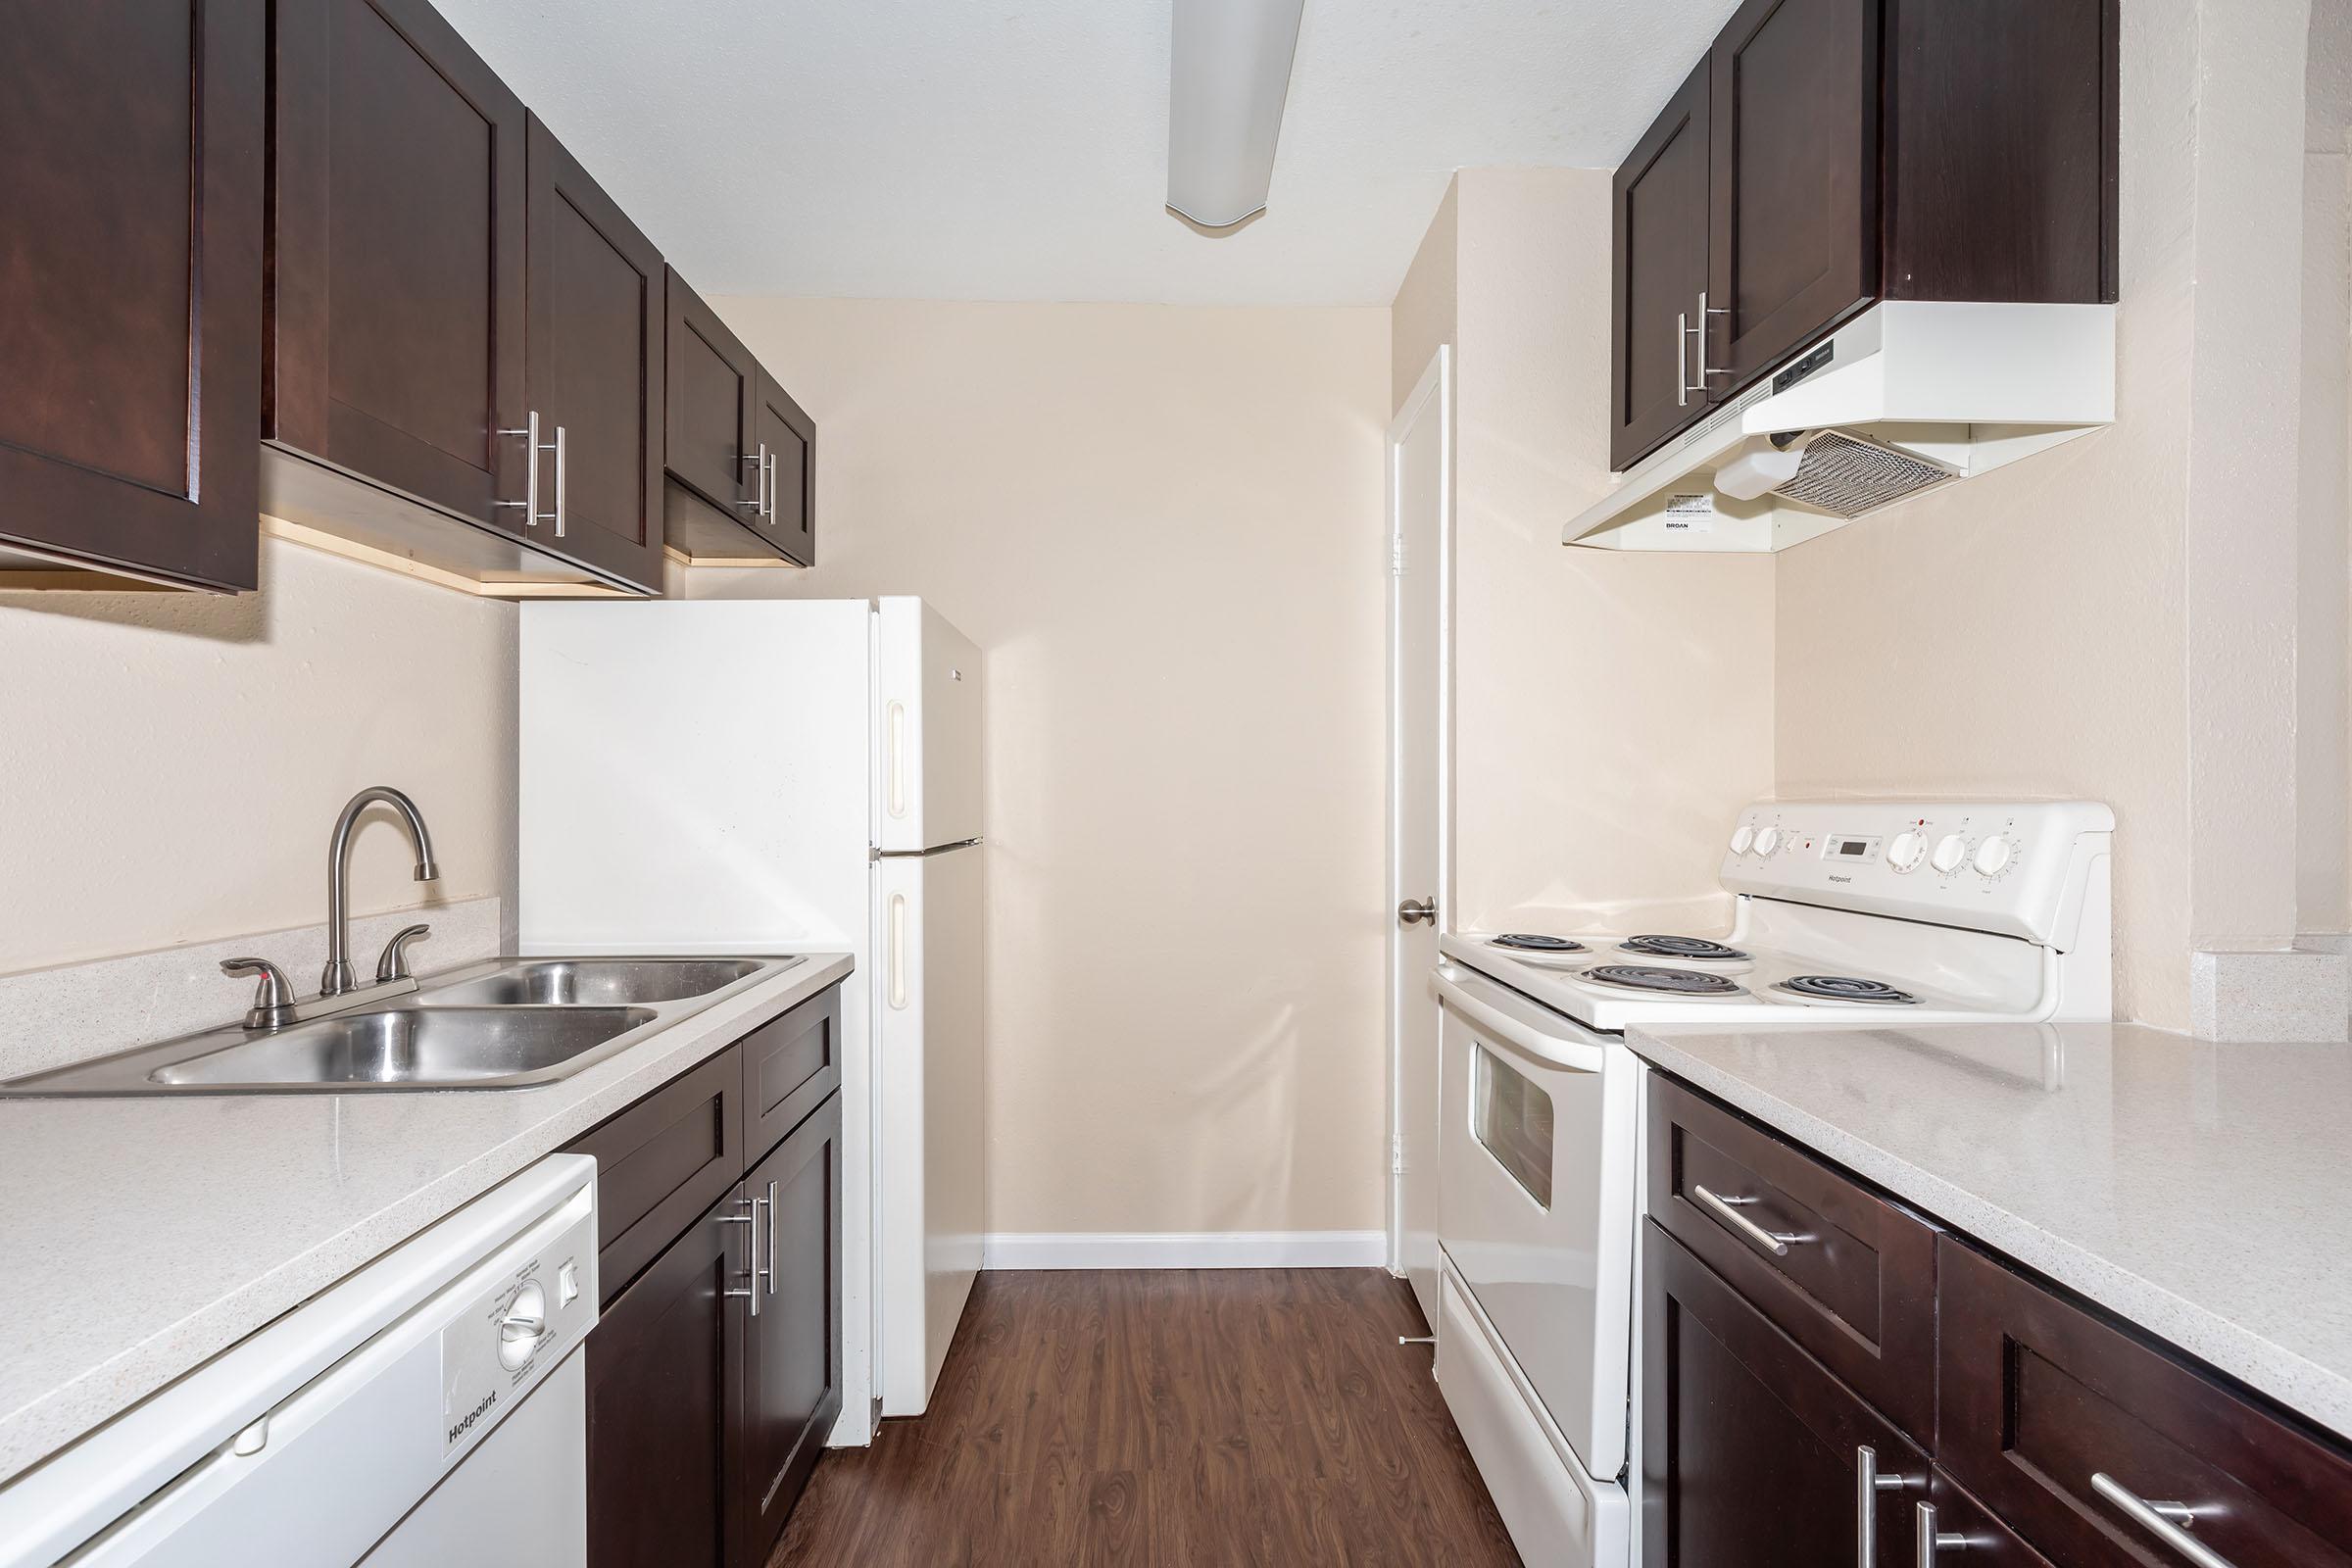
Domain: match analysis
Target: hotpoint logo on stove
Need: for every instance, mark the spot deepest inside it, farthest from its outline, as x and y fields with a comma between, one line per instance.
x=1841, y=880
x=472, y=1415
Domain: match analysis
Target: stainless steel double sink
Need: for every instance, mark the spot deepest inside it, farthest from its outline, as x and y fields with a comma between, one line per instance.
x=508, y=1023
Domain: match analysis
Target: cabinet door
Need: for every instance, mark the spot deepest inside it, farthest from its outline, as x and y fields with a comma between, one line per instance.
x=789, y=520
x=663, y=1400
x=792, y=1359
x=1751, y=1452
x=2041, y=1400
x=597, y=313
x=131, y=271
x=396, y=291
x=711, y=387
x=791, y=1065
x=1658, y=272
x=1793, y=241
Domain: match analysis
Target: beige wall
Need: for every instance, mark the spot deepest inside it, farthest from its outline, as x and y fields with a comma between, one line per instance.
x=2116, y=619
x=1164, y=526
x=174, y=762
x=1612, y=712
x=2324, y=770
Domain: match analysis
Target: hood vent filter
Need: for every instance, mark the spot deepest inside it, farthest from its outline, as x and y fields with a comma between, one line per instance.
x=1846, y=477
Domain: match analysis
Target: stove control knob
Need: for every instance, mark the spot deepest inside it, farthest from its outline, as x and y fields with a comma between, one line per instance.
x=1907, y=850
x=1743, y=838
x=1768, y=841
x=1950, y=851
x=1993, y=855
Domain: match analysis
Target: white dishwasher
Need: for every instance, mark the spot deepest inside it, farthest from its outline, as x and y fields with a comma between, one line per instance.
x=428, y=1411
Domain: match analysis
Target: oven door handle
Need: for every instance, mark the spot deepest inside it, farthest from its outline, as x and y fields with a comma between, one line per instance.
x=1505, y=1015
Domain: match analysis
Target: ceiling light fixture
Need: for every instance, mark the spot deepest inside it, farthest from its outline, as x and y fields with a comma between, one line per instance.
x=1231, y=73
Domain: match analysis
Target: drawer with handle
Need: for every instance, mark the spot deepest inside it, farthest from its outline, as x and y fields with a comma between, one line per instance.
x=2103, y=1451
x=1844, y=1272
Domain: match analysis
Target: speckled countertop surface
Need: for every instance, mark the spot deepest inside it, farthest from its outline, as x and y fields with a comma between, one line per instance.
x=140, y=1236
x=2201, y=1191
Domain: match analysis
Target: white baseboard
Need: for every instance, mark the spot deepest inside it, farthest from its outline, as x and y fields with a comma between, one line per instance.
x=1095, y=1249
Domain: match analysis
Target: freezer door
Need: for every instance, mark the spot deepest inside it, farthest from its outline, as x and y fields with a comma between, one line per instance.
x=929, y=729
x=929, y=1059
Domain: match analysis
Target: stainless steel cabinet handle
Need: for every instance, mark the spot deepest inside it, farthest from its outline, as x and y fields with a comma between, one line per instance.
x=770, y=486
x=751, y=1290
x=559, y=450
x=1413, y=912
x=1868, y=1484
x=771, y=1238
x=759, y=466
x=1930, y=1541
x=1682, y=360
x=1777, y=1242
x=530, y=485
x=1704, y=370
x=2168, y=1522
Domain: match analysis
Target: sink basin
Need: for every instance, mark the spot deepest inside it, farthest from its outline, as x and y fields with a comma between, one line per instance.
x=601, y=982
x=411, y=1045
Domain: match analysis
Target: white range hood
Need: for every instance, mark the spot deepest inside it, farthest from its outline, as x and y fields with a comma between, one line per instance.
x=1908, y=397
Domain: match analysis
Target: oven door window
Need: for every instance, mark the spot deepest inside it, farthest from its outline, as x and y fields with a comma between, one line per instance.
x=1512, y=1118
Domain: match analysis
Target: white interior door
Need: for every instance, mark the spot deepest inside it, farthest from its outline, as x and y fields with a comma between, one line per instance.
x=1420, y=650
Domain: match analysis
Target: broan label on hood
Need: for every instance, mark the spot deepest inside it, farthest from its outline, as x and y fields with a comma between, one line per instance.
x=1691, y=512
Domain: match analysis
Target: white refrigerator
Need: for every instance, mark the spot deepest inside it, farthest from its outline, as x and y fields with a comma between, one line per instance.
x=782, y=776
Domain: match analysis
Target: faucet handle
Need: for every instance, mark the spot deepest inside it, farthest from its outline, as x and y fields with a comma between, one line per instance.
x=394, y=964
x=272, y=999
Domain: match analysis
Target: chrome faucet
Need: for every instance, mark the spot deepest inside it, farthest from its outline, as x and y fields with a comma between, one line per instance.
x=338, y=978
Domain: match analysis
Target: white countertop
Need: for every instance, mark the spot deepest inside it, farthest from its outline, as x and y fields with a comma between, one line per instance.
x=2201, y=1191
x=140, y=1236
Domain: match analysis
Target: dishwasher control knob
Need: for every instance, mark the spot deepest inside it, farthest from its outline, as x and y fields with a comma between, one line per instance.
x=1950, y=851
x=524, y=1326
x=1743, y=838
x=1993, y=855
x=1906, y=850
x=1768, y=841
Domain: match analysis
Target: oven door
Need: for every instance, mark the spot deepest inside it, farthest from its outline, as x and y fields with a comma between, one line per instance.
x=1535, y=1176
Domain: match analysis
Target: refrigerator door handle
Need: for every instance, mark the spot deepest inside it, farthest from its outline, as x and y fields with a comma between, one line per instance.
x=898, y=757
x=898, y=951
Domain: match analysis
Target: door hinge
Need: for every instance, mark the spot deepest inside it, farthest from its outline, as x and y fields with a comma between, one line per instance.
x=1396, y=1153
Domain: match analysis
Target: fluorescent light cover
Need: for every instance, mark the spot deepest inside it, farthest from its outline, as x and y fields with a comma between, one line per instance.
x=1231, y=72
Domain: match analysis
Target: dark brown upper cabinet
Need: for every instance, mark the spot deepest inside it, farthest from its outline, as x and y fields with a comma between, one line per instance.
x=1660, y=199
x=739, y=451
x=396, y=321
x=443, y=281
x=1857, y=150
x=594, y=367
x=130, y=274
x=1791, y=242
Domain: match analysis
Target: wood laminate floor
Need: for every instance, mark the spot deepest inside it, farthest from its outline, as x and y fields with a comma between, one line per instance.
x=1219, y=1416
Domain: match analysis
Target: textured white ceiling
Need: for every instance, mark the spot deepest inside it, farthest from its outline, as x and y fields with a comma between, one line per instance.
x=1016, y=149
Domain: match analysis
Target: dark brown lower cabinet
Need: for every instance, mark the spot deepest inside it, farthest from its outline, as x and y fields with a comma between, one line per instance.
x=2057, y=1434
x=1752, y=1451
x=792, y=1352
x=664, y=1403
x=714, y=1375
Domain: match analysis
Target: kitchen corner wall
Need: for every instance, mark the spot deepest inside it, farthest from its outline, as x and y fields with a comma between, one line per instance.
x=174, y=762
x=1164, y=529
x=2116, y=619
x=1612, y=712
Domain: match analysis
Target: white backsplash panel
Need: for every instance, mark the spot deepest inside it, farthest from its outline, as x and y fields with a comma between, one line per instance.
x=77, y=1012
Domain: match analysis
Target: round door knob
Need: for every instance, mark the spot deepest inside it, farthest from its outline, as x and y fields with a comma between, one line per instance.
x=1743, y=838
x=1413, y=912
x=1907, y=850
x=1768, y=841
x=523, y=1326
x=1950, y=851
x=1993, y=855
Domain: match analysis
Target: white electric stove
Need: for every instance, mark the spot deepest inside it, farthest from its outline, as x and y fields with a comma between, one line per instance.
x=1869, y=913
